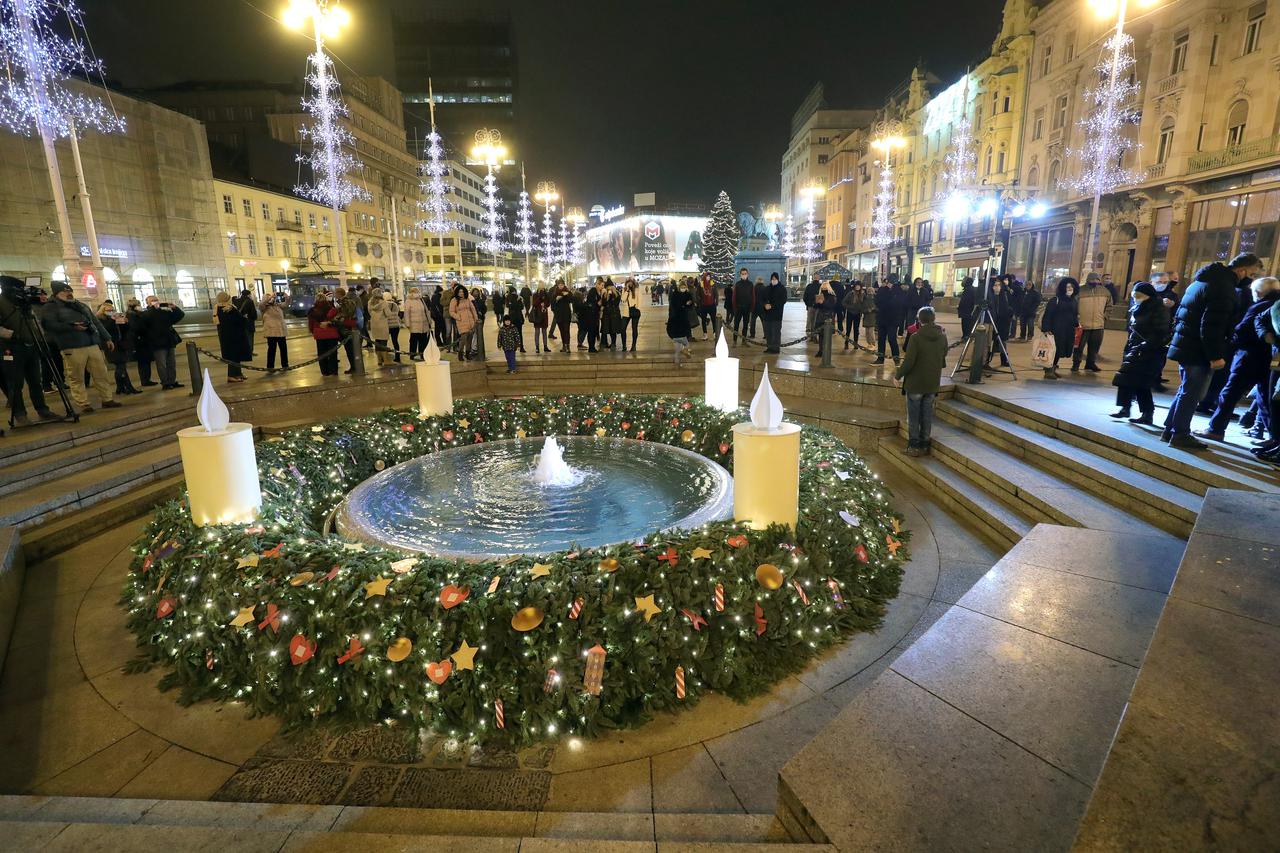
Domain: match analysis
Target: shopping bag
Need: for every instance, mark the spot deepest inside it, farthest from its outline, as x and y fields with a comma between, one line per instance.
x=1042, y=353
x=1075, y=344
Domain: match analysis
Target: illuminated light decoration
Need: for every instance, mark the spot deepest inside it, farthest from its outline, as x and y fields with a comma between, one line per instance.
x=329, y=158
x=492, y=218
x=435, y=205
x=882, y=221
x=961, y=163
x=38, y=61
x=720, y=240
x=810, y=251
x=576, y=222
x=562, y=255
x=1112, y=106
x=789, y=237
x=526, y=234
x=548, y=238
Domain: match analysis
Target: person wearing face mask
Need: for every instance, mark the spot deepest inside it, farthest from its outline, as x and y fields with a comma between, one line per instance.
x=157, y=334
x=856, y=303
x=1061, y=314
x=998, y=301
x=141, y=355
x=1149, y=331
x=118, y=357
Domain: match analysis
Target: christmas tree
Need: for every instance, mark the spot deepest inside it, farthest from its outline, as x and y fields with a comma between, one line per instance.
x=435, y=204
x=720, y=241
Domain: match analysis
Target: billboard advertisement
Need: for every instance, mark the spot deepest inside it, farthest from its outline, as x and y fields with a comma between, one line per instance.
x=659, y=244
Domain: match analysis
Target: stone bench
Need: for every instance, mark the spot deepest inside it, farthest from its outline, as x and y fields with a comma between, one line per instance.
x=992, y=729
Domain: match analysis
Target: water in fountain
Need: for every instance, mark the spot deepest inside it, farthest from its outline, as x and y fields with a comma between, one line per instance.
x=552, y=470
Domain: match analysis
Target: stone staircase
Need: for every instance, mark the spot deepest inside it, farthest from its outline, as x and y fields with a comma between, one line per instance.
x=560, y=374
x=1005, y=467
x=82, y=823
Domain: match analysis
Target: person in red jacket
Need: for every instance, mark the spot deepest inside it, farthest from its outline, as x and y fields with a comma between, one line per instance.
x=322, y=320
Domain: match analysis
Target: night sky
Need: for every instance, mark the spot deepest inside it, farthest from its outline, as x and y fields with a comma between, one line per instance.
x=681, y=97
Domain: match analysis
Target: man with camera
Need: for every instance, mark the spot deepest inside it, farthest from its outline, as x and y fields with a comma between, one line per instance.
x=81, y=337
x=155, y=333
x=20, y=351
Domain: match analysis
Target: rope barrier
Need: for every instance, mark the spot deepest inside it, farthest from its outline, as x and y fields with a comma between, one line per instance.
x=338, y=346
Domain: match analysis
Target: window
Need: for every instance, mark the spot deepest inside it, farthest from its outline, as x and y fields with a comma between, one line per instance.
x=1237, y=118
x=1000, y=162
x=324, y=222
x=1054, y=168
x=233, y=245
x=1046, y=60
x=1200, y=137
x=924, y=233
x=1179, y=59
x=1005, y=105
x=297, y=217
x=986, y=169
x=226, y=205
x=1070, y=52
x=995, y=102
x=248, y=207
x=284, y=248
x=1253, y=29
x=253, y=244
x=266, y=211
x=1033, y=176
x=280, y=216
x=1037, y=124
x=271, y=246
x=1166, y=141
x=822, y=159
x=1213, y=50
x=1060, y=112
x=311, y=219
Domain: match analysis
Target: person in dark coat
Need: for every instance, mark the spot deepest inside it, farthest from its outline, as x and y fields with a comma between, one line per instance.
x=1201, y=334
x=1061, y=316
x=824, y=307
x=1149, y=327
x=589, y=317
x=891, y=308
x=757, y=312
x=921, y=294
x=744, y=303
x=1244, y=298
x=856, y=302
x=1027, y=308
x=118, y=357
x=246, y=305
x=610, y=317
x=678, y=326
x=155, y=332
x=967, y=307
x=515, y=308
x=775, y=303
x=1166, y=288
x=810, y=296
x=233, y=336
x=1251, y=364
x=561, y=311
x=1000, y=303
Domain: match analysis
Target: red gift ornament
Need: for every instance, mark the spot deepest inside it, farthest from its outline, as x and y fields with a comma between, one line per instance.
x=451, y=596
x=300, y=649
x=447, y=435
x=675, y=422
x=736, y=541
x=686, y=405
x=166, y=607
x=761, y=622
x=272, y=619
x=332, y=573
x=479, y=438
x=640, y=435
x=272, y=553
x=407, y=427
x=353, y=652
x=588, y=421
x=724, y=447
x=861, y=553
x=695, y=619
x=626, y=425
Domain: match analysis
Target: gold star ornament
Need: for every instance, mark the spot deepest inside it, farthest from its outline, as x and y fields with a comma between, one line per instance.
x=249, y=562
x=465, y=656
x=702, y=553
x=464, y=423
x=540, y=570
x=244, y=617
x=647, y=606
x=376, y=587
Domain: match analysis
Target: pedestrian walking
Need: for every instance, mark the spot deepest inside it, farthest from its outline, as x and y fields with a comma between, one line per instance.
x=921, y=376
x=1149, y=330
x=1061, y=317
x=1250, y=363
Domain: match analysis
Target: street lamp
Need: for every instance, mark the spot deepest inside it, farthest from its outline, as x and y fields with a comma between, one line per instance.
x=490, y=151
x=327, y=20
x=1105, y=144
x=546, y=195
x=811, y=192
x=887, y=136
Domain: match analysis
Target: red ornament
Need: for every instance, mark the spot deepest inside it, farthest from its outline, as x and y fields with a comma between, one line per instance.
x=626, y=425
x=736, y=541
x=451, y=596
x=576, y=608
x=670, y=557
x=824, y=464
x=273, y=619
x=208, y=659
x=479, y=438
x=861, y=553
x=407, y=427
x=273, y=552
x=499, y=718
x=695, y=619
x=166, y=607
x=333, y=573
x=761, y=622
x=675, y=422
x=300, y=649
x=447, y=435
x=354, y=650
x=835, y=593
x=800, y=591
x=719, y=598
x=679, y=682
x=686, y=405
x=588, y=421
x=640, y=435
x=724, y=447
x=439, y=672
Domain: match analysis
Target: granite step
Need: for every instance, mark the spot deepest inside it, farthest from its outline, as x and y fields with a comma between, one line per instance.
x=1223, y=466
x=1167, y=506
x=974, y=506
x=37, y=441
x=53, y=537
x=1039, y=494
x=128, y=823
x=78, y=490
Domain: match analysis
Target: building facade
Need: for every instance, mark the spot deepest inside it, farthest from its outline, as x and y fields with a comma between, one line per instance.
x=269, y=236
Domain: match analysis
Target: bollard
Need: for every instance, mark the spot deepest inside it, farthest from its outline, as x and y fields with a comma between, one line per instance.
x=826, y=344
x=357, y=352
x=980, y=345
x=193, y=369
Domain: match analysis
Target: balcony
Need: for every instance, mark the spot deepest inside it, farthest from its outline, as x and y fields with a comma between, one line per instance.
x=288, y=225
x=1170, y=84
x=1155, y=171
x=1233, y=155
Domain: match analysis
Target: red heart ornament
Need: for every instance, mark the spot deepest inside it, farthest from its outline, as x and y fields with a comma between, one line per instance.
x=438, y=672
x=447, y=435
x=300, y=649
x=737, y=541
x=724, y=447
x=451, y=596
x=626, y=425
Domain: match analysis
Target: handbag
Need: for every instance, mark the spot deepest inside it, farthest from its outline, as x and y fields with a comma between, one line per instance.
x=1075, y=342
x=1043, y=352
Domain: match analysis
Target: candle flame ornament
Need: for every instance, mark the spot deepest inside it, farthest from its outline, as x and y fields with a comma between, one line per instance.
x=212, y=412
x=720, y=383
x=766, y=464
x=435, y=384
x=766, y=408
x=220, y=464
x=431, y=355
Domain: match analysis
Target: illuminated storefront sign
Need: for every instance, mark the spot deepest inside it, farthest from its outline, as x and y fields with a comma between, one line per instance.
x=645, y=244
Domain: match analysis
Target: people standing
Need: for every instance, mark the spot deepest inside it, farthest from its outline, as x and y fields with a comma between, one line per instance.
x=967, y=307
x=463, y=313
x=509, y=342
x=824, y=305
x=20, y=358
x=377, y=327
x=678, y=327
x=562, y=311
x=775, y=303
x=156, y=332
x=902, y=290
x=631, y=313
x=82, y=339
x=417, y=319
x=744, y=303
x=514, y=306
x=1093, y=303
x=855, y=303
x=1163, y=282
x=1201, y=335
x=141, y=354
x=272, y=313
x=1027, y=308
x=540, y=316
x=810, y=297
x=1251, y=363
x=1061, y=316
x=323, y=323
x=1149, y=328
x=348, y=308
x=233, y=335
x=921, y=375
x=589, y=318
x=610, y=316
x=478, y=299
x=891, y=308
x=706, y=299
x=118, y=330
x=1001, y=308
x=245, y=305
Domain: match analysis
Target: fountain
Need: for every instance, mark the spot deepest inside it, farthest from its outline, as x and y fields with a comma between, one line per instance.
x=519, y=496
x=552, y=470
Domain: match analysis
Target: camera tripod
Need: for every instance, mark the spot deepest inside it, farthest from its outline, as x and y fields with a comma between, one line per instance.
x=984, y=316
x=49, y=367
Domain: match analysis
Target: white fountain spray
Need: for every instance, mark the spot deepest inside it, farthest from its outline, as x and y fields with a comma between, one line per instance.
x=552, y=470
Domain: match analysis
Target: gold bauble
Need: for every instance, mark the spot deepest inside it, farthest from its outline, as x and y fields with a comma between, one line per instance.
x=769, y=576
x=301, y=578
x=399, y=650
x=608, y=564
x=527, y=618
x=687, y=435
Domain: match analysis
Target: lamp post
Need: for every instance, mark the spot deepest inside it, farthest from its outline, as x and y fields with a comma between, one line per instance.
x=547, y=196
x=886, y=137
x=811, y=192
x=1106, y=145
x=490, y=151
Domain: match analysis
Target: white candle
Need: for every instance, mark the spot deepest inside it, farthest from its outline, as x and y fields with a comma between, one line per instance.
x=435, y=384
x=766, y=464
x=220, y=465
x=721, y=382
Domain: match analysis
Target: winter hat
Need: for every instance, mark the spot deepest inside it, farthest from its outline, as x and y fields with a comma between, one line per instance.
x=1145, y=287
x=59, y=286
x=1093, y=278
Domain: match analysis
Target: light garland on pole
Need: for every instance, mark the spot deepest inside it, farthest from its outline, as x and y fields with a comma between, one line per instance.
x=577, y=220
x=886, y=136
x=435, y=205
x=489, y=150
x=789, y=237
x=563, y=256
x=961, y=166
x=330, y=158
x=526, y=234
x=547, y=197
x=809, y=252
x=1112, y=107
